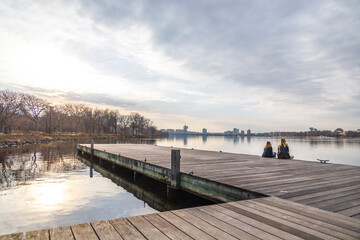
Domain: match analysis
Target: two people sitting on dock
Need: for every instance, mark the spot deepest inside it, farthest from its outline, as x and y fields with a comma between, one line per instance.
x=283, y=150
x=268, y=151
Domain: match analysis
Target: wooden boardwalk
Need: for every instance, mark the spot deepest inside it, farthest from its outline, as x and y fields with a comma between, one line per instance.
x=263, y=218
x=332, y=187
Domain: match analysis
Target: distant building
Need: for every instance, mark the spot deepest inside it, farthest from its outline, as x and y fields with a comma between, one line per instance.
x=312, y=129
x=242, y=133
x=185, y=128
x=228, y=132
x=248, y=133
x=163, y=130
x=204, y=131
x=170, y=130
x=179, y=131
x=236, y=131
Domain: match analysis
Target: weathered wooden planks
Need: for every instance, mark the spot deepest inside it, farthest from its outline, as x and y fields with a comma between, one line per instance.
x=105, y=230
x=83, y=232
x=126, y=229
x=61, y=233
x=38, y=235
x=146, y=228
x=167, y=228
x=14, y=236
x=264, y=218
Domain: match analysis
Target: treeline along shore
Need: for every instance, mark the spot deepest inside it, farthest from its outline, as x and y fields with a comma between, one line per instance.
x=27, y=118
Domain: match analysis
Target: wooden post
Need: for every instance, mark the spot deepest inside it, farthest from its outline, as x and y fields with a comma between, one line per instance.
x=91, y=158
x=92, y=149
x=175, y=168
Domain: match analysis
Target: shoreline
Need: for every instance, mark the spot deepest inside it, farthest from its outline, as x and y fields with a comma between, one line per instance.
x=21, y=139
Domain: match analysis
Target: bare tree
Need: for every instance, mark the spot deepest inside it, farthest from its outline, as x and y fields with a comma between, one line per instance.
x=137, y=122
x=124, y=122
x=89, y=120
x=33, y=107
x=79, y=114
x=60, y=113
x=28, y=112
x=10, y=105
x=114, y=117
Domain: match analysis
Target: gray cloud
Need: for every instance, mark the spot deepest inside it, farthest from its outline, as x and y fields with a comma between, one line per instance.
x=250, y=42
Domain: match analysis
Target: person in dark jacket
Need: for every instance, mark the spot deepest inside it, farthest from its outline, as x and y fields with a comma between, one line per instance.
x=268, y=151
x=283, y=150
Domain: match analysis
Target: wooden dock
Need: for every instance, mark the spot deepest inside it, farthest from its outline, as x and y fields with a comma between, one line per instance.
x=287, y=199
x=230, y=177
x=263, y=218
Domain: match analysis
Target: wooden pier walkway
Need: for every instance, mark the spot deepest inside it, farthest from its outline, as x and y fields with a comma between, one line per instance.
x=223, y=176
x=262, y=218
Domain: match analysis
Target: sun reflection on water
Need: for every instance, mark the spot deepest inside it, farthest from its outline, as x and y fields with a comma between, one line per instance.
x=50, y=194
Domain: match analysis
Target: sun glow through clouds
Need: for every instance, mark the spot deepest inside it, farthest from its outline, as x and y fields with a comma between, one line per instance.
x=48, y=67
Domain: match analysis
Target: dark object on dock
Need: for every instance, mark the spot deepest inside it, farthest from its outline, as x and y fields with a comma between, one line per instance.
x=322, y=160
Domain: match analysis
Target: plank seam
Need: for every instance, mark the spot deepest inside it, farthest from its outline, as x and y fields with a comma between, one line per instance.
x=116, y=229
x=94, y=231
x=135, y=228
x=215, y=209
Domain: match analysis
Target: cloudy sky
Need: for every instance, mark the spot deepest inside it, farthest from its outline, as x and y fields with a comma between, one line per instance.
x=264, y=65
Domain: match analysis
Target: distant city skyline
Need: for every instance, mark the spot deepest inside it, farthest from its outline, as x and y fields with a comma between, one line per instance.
x=259, y=65
x=239, y=131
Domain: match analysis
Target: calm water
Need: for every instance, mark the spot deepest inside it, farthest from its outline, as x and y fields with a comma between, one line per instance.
x=337, y=150
x=43, y=186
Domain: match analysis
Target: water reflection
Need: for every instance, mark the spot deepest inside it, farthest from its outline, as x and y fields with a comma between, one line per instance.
x=43, y=186
x=150, y=191
x=22, y=165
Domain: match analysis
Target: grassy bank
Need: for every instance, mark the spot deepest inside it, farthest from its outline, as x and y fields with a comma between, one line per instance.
x=19, y=138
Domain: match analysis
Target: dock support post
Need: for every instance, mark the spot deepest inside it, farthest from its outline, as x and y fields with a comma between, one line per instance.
x=91, y=158
x=175, y=174
x=175, y=168
x=135, y=176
